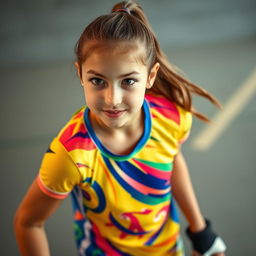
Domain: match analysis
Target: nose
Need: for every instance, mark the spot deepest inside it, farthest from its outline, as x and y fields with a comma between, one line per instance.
x=113, y=96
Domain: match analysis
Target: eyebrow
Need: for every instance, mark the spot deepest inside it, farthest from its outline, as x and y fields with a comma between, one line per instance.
x=124, y=75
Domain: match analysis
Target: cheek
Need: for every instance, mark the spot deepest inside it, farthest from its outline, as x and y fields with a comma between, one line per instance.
x=90, y=98
x=137, y=98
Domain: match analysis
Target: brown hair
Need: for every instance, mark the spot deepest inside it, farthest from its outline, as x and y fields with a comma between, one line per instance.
x=127, y=22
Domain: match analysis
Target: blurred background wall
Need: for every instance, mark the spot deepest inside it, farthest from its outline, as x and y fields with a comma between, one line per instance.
x=213, y=42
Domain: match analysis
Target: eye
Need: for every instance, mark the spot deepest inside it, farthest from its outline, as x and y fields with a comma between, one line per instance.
x=129, y=81
x=97, y=81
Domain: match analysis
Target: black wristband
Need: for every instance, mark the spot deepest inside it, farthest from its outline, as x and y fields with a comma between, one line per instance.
x=202, y=240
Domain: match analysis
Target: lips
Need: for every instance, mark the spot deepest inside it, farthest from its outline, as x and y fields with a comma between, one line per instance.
x=113, y=113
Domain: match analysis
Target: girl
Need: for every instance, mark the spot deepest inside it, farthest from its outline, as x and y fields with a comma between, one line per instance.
x=120, y=155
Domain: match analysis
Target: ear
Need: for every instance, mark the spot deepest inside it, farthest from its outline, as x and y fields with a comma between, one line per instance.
x=152, y=75
x=79, y=72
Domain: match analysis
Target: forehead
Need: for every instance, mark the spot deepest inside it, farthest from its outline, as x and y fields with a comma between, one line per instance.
x=131, y=51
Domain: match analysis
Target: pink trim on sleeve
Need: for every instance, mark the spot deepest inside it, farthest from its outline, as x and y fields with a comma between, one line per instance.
x=49, y=192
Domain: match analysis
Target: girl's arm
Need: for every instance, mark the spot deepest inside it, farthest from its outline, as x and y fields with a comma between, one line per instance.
x=29, y=220
x=184, y=194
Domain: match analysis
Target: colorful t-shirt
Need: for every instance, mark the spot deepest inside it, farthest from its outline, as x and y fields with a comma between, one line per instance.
x=122, y=204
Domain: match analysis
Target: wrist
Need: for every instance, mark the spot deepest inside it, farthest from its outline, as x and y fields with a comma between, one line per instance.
x=206, y=241
x=203, y=239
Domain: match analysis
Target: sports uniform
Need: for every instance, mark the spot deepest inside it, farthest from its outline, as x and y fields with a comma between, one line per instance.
x=122, y=204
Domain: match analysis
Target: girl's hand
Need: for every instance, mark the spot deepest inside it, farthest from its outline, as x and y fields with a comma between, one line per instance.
x=195, y=253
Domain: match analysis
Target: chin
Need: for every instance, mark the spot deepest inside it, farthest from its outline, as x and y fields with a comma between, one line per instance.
x=114, y=124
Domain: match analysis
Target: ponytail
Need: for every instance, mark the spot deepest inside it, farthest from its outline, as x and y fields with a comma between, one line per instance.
x=171, y=84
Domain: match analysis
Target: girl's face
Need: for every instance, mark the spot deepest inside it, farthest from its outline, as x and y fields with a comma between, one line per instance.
x=114, y=81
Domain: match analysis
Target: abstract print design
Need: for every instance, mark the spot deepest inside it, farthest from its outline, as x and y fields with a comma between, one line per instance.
x=142, y=186
x=134, y=228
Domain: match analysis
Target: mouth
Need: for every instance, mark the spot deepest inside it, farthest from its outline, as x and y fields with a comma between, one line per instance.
x=114, y=113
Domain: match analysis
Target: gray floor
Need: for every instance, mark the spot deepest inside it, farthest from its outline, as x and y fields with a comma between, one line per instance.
x=39, y=92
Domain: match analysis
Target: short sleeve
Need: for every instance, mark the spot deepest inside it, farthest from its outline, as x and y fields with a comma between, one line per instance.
x=58, y=173
x=185, y=125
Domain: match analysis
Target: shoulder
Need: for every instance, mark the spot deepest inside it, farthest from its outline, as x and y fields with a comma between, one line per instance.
x=72, y=125
x=168, y=109
x=168, y=114
x=74, y=134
